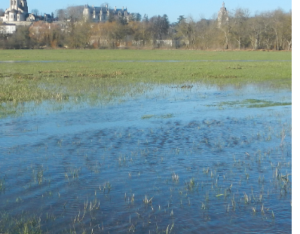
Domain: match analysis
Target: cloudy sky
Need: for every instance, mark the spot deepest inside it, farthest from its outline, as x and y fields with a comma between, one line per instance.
x=173, y=8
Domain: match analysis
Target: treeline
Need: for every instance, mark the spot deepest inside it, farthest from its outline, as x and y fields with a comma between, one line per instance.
x=268, y=30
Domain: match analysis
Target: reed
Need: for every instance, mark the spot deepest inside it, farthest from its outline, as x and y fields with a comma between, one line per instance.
x=2, y=185
x=171, y=228
x=147, y=201
x=175, y=177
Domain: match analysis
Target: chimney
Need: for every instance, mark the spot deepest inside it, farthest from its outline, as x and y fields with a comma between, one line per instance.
x=115, y=8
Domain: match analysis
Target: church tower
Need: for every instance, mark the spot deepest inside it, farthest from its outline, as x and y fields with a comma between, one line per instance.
x=17, y=11
x=14, y=4
x=24, y=6
x=223, y=17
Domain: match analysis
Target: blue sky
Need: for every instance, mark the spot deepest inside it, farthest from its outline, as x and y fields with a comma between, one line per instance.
x=173, y=8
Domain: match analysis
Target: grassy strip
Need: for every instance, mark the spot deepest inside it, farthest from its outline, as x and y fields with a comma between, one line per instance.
x=254, y=103
x=97, y=78
x=106, y=55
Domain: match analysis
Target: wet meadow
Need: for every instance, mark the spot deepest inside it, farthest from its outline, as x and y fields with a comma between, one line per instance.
x=152, y=141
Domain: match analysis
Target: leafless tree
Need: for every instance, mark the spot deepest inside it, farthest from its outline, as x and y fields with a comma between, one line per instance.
x=239, y=26
x=1, y=12
x=186, y=30
x=35, y=11
x=61, y=14
x=75, y=12
x=159, y=26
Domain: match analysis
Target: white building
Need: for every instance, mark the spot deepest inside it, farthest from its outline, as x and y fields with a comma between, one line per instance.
x=223, y=17
x=8, y=28
x=17, y=12
x=102, y=14
x=17, y=15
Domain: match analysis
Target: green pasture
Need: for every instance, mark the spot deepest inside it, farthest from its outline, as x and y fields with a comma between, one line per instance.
x=105, y=55
x=105, y=74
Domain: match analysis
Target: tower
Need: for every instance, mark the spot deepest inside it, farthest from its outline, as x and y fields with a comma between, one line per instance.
x=17, y=11
x=24, y=6
x=223, y=16
x=14, y=4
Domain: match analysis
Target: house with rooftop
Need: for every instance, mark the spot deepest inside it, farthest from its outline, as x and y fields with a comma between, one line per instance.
x=18, y=14
x=103, y=13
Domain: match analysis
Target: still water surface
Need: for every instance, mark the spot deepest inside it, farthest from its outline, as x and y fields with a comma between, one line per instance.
x=90, y=168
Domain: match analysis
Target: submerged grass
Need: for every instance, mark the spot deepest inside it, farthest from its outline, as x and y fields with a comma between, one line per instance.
x=254, y=103
x=223, y=184
x=2, y=185
x=102, y=76
x=24, y=224
x=166, y=116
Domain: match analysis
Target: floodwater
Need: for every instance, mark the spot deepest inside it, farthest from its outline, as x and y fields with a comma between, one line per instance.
x=178, y=159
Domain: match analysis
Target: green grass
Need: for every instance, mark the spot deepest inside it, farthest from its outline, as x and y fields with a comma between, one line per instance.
x=105, y=55
x=166, y=116
x=104, y=75
x=24, y=223
x=254, y=103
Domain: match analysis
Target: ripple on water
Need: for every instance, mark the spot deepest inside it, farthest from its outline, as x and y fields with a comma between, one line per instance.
x=91, y=169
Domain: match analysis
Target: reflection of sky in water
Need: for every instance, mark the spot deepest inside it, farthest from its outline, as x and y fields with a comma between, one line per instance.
x=137, y=144
x=184, y=104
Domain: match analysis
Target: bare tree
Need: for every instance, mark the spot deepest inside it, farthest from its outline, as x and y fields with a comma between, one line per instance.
x=255, y=29
x=267, y=30
x=35, y=11
x=75, y=12
x=207, y=34
x=79, y=34
x=61, y=14
x=20, y=39
x=239, y=27
x=159, y=26
x=186, y=30
x=225, y=28
x=288, y=30
x=1, y=12
x=277, y=24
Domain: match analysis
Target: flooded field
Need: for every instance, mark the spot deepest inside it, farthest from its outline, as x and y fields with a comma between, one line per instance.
x=175, y=159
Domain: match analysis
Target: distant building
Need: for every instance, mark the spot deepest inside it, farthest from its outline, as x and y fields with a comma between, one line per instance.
x=18, y=11
x=48, y=18
x=223, y=17
x=18, y=14
x=8, y=29
x=102, y=14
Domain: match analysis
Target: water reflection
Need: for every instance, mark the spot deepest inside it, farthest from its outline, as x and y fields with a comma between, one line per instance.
x=91, y=168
